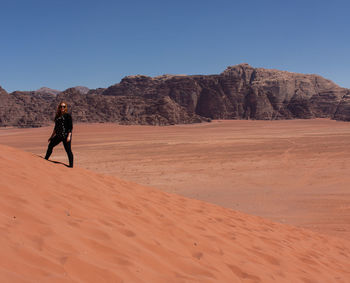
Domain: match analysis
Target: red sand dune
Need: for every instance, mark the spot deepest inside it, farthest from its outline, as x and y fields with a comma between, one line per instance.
x=72, y=225
x=290, y=171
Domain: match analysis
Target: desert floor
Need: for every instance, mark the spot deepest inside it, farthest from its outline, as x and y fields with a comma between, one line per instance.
x=294, y=172
x=74, y=225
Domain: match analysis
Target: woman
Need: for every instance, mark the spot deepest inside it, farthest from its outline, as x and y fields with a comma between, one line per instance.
x=62, y=132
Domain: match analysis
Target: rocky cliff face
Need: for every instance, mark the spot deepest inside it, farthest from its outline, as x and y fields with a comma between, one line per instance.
x=343, y=110
x=125, y=109
x=25, y=109
x=240, y=92
x=273, y=94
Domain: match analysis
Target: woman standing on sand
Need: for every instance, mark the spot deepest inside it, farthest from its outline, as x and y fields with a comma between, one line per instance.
x=62, y=132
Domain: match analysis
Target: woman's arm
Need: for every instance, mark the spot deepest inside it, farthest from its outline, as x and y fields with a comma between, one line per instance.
x=52, y=135
x=69, y=127
x=69, y=136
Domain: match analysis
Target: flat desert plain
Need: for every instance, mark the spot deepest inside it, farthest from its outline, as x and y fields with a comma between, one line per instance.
x=295, y=172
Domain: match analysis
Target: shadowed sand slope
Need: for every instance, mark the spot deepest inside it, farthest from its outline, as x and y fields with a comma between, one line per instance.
x=72, y=225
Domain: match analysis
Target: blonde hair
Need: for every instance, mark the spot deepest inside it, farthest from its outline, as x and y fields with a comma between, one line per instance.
x=58, y=111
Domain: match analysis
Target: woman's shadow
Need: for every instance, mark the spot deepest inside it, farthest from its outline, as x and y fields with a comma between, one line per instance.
x=53, y=161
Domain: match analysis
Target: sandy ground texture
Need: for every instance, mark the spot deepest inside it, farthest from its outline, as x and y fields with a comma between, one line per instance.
x=72, y=225
x=294, y=172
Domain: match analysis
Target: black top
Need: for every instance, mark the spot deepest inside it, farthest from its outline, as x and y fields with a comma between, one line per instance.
x=63, y=125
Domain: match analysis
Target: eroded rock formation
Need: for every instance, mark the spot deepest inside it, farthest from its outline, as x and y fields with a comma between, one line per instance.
x=240, y=92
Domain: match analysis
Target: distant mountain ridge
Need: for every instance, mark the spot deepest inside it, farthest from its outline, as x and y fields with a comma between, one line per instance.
x=240, y=92
x=46, y=90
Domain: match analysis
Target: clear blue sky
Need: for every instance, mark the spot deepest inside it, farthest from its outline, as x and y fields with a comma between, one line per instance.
x=61, y=43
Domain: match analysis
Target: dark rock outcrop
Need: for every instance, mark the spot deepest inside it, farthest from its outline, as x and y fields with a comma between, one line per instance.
x=25, y=109
x=125, y=109
x=240, y=92
x=343, y=110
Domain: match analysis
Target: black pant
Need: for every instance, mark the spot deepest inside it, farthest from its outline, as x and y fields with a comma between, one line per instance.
x=67, y=146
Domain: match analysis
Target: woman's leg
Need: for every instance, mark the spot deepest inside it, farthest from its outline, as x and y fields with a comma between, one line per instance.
x=67, y=147
x=54, y=141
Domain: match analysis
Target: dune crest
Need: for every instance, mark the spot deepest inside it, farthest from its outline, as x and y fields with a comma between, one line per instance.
x=73, y=225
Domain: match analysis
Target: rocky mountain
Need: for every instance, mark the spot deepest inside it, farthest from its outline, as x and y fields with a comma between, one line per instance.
x=46, y=90
x=125, y=109
x=82, y=89
x=343, y=110
x=240, y=92
x=24, y=108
